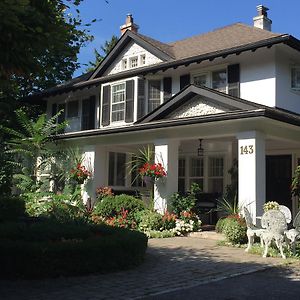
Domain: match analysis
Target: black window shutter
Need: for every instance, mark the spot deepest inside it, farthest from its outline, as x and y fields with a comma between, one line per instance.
x=88, y=113
x=141, y=105
x=129, y=101
x=106, y=106
x=184, y=81
x=54, y=109
x=167, y=88
x=233, y=72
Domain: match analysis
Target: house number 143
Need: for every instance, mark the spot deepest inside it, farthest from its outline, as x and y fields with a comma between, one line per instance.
x=247, y=149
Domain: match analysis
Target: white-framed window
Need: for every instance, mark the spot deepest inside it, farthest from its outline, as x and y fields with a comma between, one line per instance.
x=117, y=169
x=196, y=171
x=143, y=59
x=124, y=64
x=133, y=61
x=118, y=94
x=219, y=80
x=154, y=98
x=215, y=174
x=295, y=76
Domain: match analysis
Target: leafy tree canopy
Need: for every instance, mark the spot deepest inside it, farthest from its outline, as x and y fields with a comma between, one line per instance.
x=40, y=40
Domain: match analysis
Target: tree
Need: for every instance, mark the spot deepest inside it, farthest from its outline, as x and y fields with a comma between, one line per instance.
x=40, y=40
x=99, y=56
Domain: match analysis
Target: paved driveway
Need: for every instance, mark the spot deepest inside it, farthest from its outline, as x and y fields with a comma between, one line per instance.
x=171, y=265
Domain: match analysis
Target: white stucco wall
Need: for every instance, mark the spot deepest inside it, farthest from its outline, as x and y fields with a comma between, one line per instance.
x=257, y=77
x=131, y=50
x=285, y=97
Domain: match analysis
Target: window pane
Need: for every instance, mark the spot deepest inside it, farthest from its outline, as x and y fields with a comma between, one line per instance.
x=200, y=80
x=118, y=102
x=111, y=168
x=196, y=167
x=181, y=185
x=121, y=167
x=296, y=78
x=216, y=166
x=72, y=109
x=153, y=94
x=181, y=167
x=215, y=185
x=133, y=62
x=219, y=80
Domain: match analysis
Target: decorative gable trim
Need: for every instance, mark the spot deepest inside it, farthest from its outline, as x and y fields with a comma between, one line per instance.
x=217, y=99
x=121, y=44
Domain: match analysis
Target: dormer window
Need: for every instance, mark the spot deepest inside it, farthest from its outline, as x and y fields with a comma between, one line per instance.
x=143, y=59
x=296, y=78
x=133, y=62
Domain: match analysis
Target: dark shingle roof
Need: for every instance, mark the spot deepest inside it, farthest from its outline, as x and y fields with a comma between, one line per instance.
x=223, y=38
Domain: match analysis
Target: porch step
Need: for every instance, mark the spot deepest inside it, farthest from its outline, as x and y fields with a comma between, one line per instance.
x=211, y=235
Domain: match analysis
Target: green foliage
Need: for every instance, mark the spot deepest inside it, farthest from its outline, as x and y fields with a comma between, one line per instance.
x=230, y=207
x=295, y=187
x=150, y=220
x=112, y=206
x=29, y=146
x=105, y=49
x=11, y=208
x=56, y=249
x=220, y=225
x=185, y=202
x=270, y=205
x=235, y=230
x=156, y=234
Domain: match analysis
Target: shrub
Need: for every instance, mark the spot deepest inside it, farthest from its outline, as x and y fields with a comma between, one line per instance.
x=235, y=229
x=51, y=249
x=112, y=206
x=150, y=220
x=220, y=225
x=11, y=208
x=168, y=221
x=155, y=234
x=191, y=218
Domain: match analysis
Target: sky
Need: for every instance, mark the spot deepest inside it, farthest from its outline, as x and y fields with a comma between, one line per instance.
x=171, y=20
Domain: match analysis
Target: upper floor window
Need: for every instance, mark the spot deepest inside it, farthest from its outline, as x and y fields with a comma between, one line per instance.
x=153, y=94
x=124, y=64
x=72, y=109
x=201, y=80
x=143, y=59
x=133, y=62
x=219, y=80
x=296, y=78
x=118, y=102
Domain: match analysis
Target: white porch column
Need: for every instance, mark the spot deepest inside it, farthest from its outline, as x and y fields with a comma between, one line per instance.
x=166, y=153
x=95, y=160
x=252, y=172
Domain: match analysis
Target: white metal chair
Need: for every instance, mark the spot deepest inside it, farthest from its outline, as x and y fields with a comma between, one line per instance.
x=252, y=230
x=293, y=234
x=287, y=213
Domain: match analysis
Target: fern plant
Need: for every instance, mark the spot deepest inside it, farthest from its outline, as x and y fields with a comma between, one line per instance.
x=29, y=147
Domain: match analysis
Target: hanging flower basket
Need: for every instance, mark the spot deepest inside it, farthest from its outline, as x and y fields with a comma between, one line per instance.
x=80, y=174
x=151, y=172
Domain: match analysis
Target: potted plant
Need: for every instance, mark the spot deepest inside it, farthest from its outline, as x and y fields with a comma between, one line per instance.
x=152, y=171
x=80, y=173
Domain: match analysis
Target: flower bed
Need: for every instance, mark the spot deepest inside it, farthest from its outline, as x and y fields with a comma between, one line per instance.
x=49, y=249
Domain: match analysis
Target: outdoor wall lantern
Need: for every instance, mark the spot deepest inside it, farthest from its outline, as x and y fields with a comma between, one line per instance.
x=200, y=149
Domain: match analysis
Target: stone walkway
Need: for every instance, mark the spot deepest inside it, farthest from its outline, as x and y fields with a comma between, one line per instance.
x=171, y=264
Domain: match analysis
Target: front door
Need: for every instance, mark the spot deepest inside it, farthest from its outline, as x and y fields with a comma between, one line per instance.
x=278, y=179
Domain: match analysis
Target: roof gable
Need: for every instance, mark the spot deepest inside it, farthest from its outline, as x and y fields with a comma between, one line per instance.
x=194, y=101
x=148, y=44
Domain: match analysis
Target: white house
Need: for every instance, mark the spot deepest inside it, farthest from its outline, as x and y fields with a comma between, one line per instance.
x=236, y=89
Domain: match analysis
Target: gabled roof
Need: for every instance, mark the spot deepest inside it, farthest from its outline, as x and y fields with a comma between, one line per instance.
x=157, y=48
x=215, y=98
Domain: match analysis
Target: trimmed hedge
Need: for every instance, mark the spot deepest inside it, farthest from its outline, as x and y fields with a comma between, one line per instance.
x=28, y=251
x=11, y=208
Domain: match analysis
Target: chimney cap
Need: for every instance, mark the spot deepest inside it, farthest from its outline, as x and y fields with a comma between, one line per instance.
x=262, y=10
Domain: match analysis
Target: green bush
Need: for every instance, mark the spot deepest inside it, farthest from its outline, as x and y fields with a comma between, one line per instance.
x=150, y=220
x=156, y=234
x=220, y=225
x=235, y=230
x=11, y=208
x=49, y=249
x=112, y=206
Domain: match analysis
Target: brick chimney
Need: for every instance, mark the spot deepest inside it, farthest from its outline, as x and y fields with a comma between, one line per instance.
x=129, y=25
x=262, y=21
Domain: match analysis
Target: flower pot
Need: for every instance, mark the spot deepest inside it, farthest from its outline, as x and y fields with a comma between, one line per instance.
x=149, y=181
